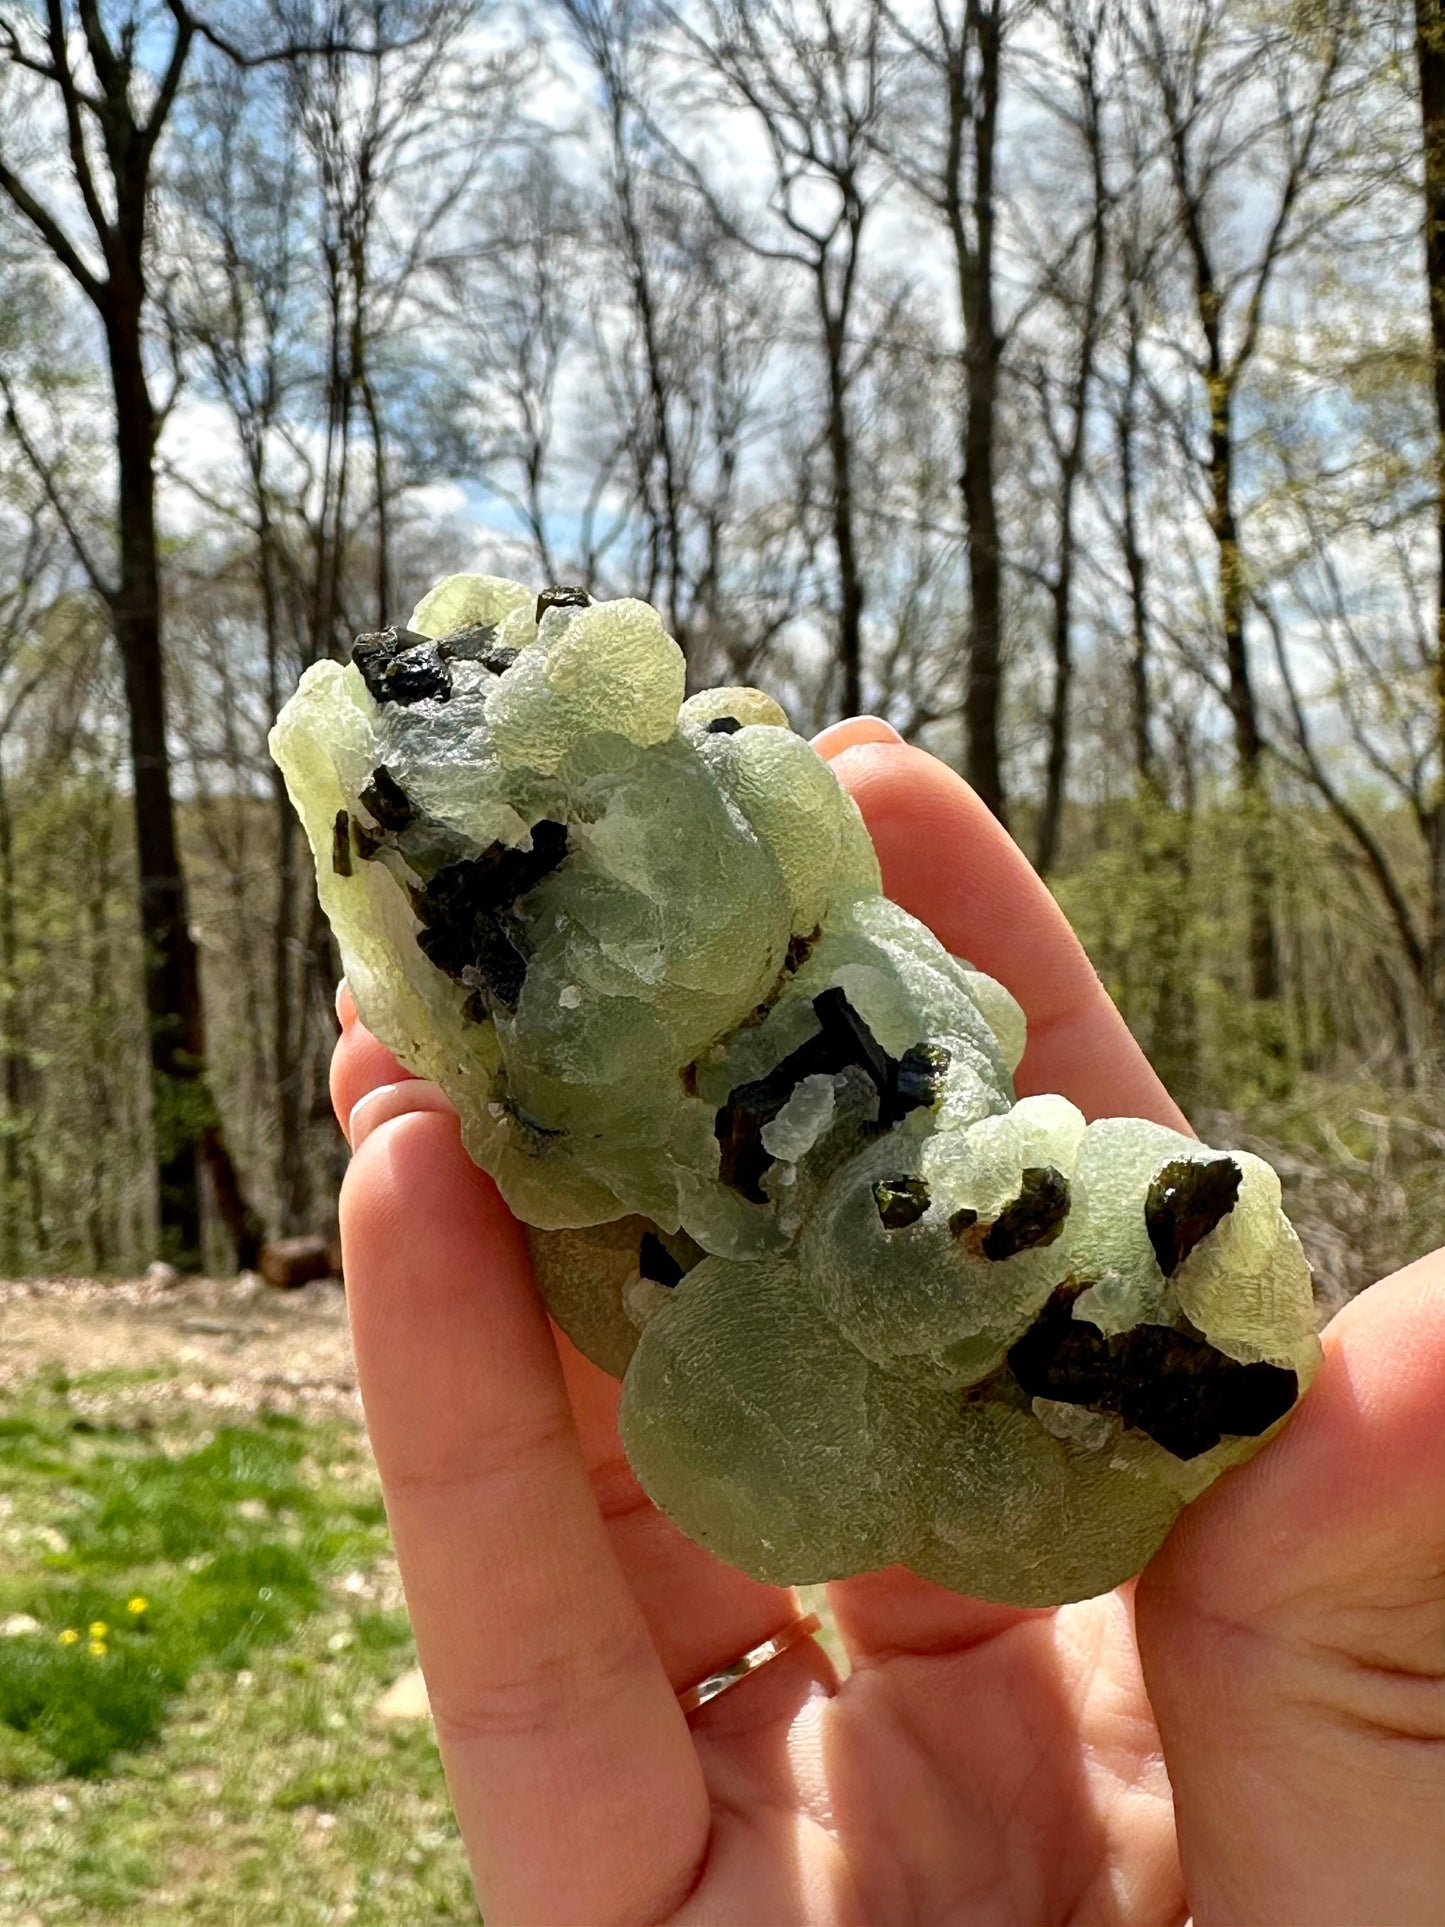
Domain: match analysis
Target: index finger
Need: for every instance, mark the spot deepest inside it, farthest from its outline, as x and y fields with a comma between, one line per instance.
x=573, y=1772
x=946, y=858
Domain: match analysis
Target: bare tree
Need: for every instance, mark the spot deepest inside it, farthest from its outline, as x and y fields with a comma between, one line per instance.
x=947, y=151
x=299, y=282
x=812, y=74
x=1228, y=94
x=514, y=304
x=1074, y=284
x=114, y=110
x=610, y=35
x=30, y=555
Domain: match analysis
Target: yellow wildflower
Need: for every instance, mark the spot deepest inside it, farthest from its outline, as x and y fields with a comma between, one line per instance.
x=99, y=1648
x=69, y=1636
x=98, y=1629
x=137, y=1605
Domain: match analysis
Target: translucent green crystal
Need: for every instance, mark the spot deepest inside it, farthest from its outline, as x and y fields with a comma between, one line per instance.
x=866, y=1308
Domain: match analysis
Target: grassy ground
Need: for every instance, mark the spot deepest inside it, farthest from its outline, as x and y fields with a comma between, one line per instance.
x=222, y=1758
x=214, y=1754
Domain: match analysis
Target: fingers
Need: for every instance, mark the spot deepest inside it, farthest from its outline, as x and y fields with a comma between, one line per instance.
x=379, y=1106
x=1293, y=1637
x=358, y=1063
x=946, y=858
x=573, y=1772
x=699, y=1612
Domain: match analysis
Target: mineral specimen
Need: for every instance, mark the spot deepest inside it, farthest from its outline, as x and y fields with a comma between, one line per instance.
x=866, y=1308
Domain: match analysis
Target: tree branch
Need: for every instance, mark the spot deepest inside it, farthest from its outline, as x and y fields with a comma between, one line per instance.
x=108, y=591
x=53, y=235
x=1348, y=816
x=74, y=125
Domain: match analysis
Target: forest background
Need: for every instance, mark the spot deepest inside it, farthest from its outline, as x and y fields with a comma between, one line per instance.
x=1063, y=380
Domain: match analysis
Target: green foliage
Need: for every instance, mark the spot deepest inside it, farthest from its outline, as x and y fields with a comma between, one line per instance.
x=266, y=1793
x=159, y=1565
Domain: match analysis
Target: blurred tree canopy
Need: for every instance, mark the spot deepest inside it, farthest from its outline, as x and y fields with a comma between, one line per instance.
x=1062, y=379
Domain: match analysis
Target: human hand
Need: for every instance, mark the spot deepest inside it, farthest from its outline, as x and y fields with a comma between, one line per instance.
x=980, y=1763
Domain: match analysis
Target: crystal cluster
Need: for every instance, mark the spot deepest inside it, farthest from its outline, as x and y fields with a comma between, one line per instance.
x=866, y=1307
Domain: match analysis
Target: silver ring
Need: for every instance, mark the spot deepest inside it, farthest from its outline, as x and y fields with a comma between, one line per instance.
x=726, y=1676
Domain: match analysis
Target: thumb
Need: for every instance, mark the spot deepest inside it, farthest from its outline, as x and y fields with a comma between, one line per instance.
x=1293, y=1637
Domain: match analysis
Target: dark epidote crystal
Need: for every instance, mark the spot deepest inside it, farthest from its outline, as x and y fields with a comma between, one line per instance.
x=341, y=844
x=477, y=644
x=843, y=1042
x=387, y=801
x=400, y=666
x=900, y=1201
x=1171, y=1384
x=799, y=951
x=921, y=1072
x=1188, y=1396
x=1186, y=1201
x=724, y=726
x=1036, y=1216
x=468, y=929
x=560, y=596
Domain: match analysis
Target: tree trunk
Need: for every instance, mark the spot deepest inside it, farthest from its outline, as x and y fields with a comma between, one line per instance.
x=983, y=701
x=13, y=1070
x=1071, y=461
x=1430, y=55
x=1146, y=769
x=1264, y=970
x=1056, y=767
x=1167, y=838
x=291, y=1175
x=840, y=449
x=183, y=1113
x=172, y=990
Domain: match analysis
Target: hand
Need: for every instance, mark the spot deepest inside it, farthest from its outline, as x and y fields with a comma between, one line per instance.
x=980, y=1763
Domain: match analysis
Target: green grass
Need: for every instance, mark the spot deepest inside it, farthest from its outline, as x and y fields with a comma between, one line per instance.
x=217, y=1758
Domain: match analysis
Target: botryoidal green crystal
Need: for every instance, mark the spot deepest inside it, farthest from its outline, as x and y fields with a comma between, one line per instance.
x=866, y=1307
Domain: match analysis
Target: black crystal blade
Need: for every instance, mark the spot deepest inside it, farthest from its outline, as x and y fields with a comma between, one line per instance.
x=1171, y=1384
x=387, y=801
x=1188, y=1396
x=1066, y=1358
x=341, y=844
x=843, y=1042
x=1036, y=1216
x=477, y=643
x=469, y=644
x=901, y=1201
x=562, y=596
x=1187, y=1199
x=400, y=666
x=468, y=930
x=921, y=1072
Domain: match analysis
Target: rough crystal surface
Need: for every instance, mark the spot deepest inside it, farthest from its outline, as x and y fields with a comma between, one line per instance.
x=866, y=1307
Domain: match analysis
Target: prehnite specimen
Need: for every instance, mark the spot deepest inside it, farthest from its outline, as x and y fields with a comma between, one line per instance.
x=866, y=1307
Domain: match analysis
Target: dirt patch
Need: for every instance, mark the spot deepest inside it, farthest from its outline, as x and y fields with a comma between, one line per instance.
x=234, y=1343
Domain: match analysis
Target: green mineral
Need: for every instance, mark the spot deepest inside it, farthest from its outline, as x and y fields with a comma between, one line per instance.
x=761, y=1124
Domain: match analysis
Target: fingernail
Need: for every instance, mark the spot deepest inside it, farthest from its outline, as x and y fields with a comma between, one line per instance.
x=388, y=1101
x=852, y=731
x=345, y=1005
